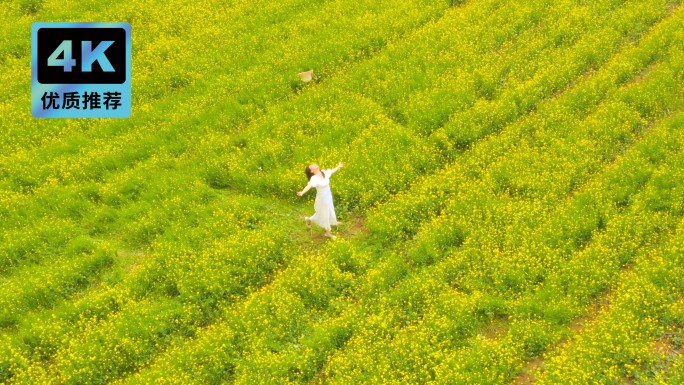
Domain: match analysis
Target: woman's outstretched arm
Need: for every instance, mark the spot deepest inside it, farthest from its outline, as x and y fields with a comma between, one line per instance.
x=307, y=188
x=339, y=166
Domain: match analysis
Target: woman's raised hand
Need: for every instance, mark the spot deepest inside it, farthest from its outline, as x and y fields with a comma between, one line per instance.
x=340, y=165
x=299, y=193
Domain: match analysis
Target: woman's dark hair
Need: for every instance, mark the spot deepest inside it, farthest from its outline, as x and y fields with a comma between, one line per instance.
x=309, y=174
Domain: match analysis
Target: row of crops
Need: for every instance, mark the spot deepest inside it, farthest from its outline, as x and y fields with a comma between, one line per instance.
x=519, y=164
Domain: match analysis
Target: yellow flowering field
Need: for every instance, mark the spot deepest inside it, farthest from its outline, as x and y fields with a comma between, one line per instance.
x=511, y=198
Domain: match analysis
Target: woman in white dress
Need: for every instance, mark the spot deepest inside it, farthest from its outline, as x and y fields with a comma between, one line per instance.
x=325, y=211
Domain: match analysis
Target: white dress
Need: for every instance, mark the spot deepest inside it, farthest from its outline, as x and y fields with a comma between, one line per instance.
x=325, y=211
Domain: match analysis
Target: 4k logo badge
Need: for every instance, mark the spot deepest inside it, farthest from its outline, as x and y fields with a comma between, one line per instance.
x=81, y=70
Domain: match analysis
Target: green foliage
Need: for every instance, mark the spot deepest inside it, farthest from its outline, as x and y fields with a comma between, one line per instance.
x=519, y=165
